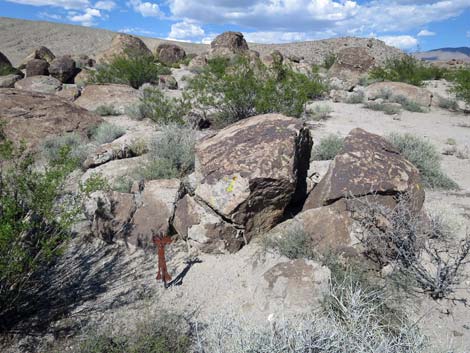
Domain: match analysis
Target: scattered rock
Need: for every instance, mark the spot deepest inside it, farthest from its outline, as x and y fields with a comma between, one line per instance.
x=367, y=165
x=63, y=68
x=204, y=229
x=275, y=58
x=34, y=116
x=42, y=53
x=37, y=67
x=39, y=84
x=169, y=53
x=69, y=92
x=168, y=82
x=251, y=171
x=234, y=41
x=8, y=81
x=120, y=97
x=124, y=45
x=416, y=94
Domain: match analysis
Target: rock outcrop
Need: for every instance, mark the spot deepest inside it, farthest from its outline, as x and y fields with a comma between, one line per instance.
x=33, y=116
x=37, y=67
x=234, y=41
x=41, y=53
x=124, y=45
x=63, y=68
x=118, y=96
x=367, y=165
x=169, y=53
x=8, y=81
x=416, y=94
x=39, y=84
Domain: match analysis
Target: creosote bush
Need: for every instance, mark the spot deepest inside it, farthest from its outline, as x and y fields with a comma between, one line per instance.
x=106, y=110
x=387, y=108
x=461, y=87
x=132, y=70
x=408, y=70
x=154, y=105
x=52, y=148
x=425, y=157
x=107, y=132
x=327, y=148
x=238, y=89
x=329, y=60
x=171, y=155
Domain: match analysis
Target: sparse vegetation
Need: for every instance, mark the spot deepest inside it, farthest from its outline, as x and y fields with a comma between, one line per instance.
x=52, y=148
x=329, y=60
x=449, y=104
x=154, y=105
x=461, y=87
x=327, y=148
x=238, y=89
x=387, y=108
x=106, y=110
x=319, y=112
x=106, y=132
x=425, y=157
x=171, y=155
x=409, y=70
x=295, y=244
x=356, y=98
x=133, y=70
x=407, y=104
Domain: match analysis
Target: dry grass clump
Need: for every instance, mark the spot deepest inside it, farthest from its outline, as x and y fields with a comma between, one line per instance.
x=106, y=132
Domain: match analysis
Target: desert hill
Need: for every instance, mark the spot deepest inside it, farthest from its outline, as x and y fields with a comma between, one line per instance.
x=445, y=54
x=19, y=37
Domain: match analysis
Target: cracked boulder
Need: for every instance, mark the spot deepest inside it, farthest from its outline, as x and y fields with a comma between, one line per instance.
x=252, y=172
x=204, y=229
x=368, y=165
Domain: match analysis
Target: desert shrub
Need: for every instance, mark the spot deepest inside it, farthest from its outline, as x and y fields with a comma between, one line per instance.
x=52, y=148
x=425, y=157
x=407, y=69
x=294, y=244
x=461, y=87
x=154, y=105
x=106, y=110
x=171, y=155
x=106, y=132
x=327, y=148
x=132, y=70
x=238, y=89
x=95, y=182
x=356, y=98
x=407, y=104
x=329, y=60
x=33, y=227
x=449, y=104
x=319, y=112
x=166, y=334
x=387, y=108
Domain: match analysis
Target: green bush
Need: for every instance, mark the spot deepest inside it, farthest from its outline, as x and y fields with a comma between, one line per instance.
x=52, y=147
x=387, y=108
x=461, y=87
x=32, y=226
x=154, y=105
x=449, y=104
x=319, y=112
x=239, y=89
x=130, y=70
x=407, y=104
x=106, y=110
x=328, y=148
x=171, y=155
x=295, y=244
x=106, y=132
x=425, y=157
x=329, y=60
x=407, y=69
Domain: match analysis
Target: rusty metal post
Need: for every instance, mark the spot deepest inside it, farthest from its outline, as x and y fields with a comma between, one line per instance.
x=160, y=242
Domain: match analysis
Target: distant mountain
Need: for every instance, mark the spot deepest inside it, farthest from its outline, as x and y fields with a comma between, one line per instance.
x=445, y=54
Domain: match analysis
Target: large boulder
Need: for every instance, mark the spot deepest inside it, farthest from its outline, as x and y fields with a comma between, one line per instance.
x=31, y=117
x=367, y=165
x=39, y=84
x=416, y=94
x=6, y=68
x=42, y=53
x=169, y=53
x=120, y=97
x=63, y=68
x=253, y=171
x=37, y=67
x=124, y=45
x=234, y=41
x=352, y=63
x=204, y=229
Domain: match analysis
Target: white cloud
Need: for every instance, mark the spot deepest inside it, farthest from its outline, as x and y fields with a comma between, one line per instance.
x=311, y=17
x=51, y=16
x=402, y=42
x=275, y=37
x=137, y=30
x=87, y=18
x=146, y=9
x=186, y=29
x=468, y=34
x=426, y=33
x=66, y=4
x=106, y=5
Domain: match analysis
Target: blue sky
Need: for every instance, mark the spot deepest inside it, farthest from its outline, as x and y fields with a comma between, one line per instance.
x=408, y=24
